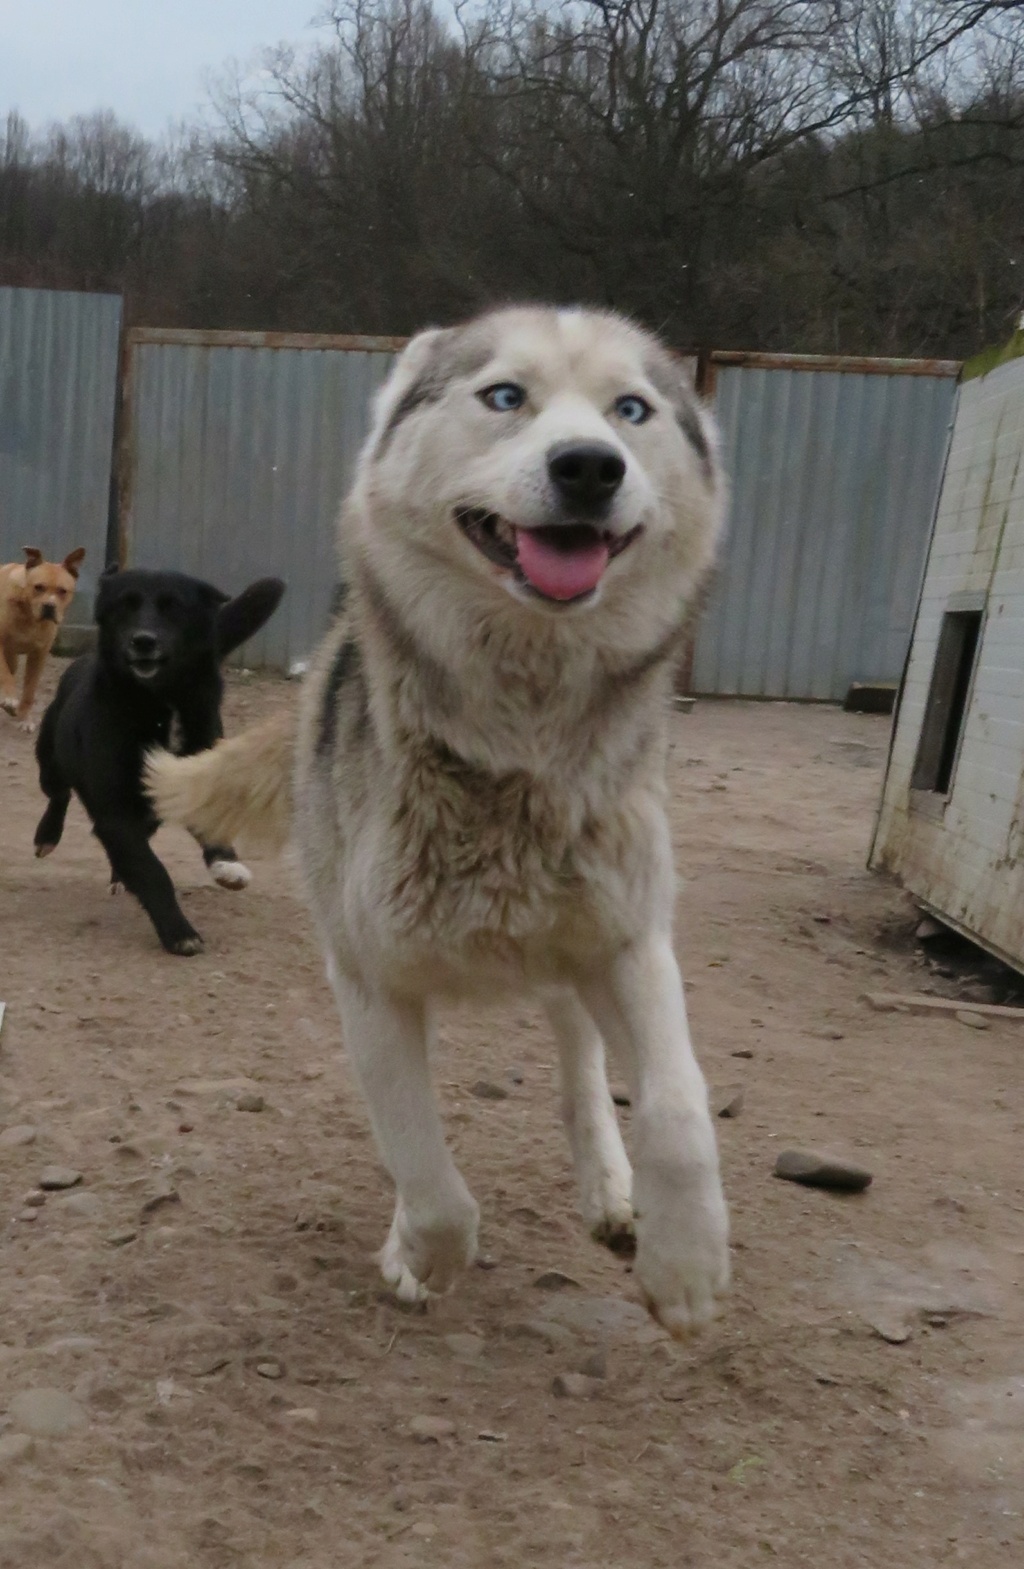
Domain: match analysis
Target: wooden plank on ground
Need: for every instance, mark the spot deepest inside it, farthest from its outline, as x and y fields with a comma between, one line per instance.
x=915, y=1002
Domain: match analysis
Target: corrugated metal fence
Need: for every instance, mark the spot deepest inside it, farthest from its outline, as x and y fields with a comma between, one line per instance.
x=835, y=467
x=236, y=451
x=58, y=390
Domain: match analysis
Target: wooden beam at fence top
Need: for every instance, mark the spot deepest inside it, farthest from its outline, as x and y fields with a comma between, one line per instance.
x=849, y=364
x=201, y=338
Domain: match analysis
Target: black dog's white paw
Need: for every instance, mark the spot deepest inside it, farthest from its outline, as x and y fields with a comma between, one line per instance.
x=230, y=874
x=185, y=947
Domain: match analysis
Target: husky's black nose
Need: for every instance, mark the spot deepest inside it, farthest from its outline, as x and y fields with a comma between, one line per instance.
x=143, y=643
x=586, y=474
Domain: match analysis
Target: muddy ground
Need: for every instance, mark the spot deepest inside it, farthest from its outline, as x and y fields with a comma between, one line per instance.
x=243, y=1392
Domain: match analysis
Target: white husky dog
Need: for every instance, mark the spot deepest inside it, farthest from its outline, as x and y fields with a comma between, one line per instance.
x=476, y=790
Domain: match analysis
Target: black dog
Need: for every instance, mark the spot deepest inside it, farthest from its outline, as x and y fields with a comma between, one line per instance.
x=162, y=637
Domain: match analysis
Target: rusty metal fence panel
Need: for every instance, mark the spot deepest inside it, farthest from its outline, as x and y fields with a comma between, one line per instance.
x=835, y=467
x=58, y=391
x=236, y=452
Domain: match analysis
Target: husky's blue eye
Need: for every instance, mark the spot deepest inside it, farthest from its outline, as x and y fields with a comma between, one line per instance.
x=504, y=397
x=633, y=409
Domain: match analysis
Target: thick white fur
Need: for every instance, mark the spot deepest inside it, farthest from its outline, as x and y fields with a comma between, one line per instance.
x=478, y=786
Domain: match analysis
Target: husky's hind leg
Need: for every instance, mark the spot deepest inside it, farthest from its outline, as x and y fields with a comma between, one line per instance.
x=433, y=1234
x=602, y=1168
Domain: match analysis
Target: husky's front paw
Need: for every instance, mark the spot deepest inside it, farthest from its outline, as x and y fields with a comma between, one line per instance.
x=682, y=1263
x=423, y=1259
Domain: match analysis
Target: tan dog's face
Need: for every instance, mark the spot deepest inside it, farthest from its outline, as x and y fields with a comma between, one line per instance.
x=50, y=585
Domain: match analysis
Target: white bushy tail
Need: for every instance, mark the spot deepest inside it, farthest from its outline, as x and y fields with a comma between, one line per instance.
x=240, y=789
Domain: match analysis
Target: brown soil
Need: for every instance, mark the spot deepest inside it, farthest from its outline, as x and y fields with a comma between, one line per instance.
x=790, y=1431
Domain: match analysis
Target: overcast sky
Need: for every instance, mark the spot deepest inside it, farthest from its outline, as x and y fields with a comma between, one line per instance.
x=145, y=59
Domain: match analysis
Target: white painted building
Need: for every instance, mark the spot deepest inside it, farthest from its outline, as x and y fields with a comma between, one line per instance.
x=951, y=822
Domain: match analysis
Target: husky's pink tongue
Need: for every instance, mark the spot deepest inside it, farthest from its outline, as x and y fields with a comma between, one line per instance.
x=560, y=574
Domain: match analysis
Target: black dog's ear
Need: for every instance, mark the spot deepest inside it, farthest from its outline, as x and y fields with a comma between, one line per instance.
x=243, y=616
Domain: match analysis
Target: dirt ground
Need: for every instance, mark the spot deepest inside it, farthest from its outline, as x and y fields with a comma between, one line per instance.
x=246, y=1391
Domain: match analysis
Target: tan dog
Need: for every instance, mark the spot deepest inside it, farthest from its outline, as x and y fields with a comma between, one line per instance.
x=34, y=599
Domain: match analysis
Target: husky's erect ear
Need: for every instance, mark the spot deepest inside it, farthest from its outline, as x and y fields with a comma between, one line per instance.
x=73, y=560
x=671, y=375
x=33, y=557
x=425, y=370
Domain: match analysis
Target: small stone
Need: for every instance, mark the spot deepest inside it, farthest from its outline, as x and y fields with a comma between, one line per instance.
x=249, y=1102
x=486, y=1261
x=17, y=1137
x=467, y=1348
x=162, y=1195
x=77, y=1345
x=222, y=1092
x=270, y=1369
x=555, y=1280
x=54, y=1178
x=489, y=1437
x=555, y=1336
x=308, y=1414
x=423, y=1528
x=27, y=1214
x=88, y=1205
x=47, y=1413
x=186, y=1127
x=974, y=1021
x=889, y=1324
x=821, y=1171
x=431, y=1429
x=729, y=1103
x=515, y=1076
x=575, y=1386
x=483, y=1089
x=34, y=1198
x=744, y=1052
x=14, y=1447
x=831, y=1035
x=609, y=1318
x=120, y=1239
x=596, y=1364
x=929, y=928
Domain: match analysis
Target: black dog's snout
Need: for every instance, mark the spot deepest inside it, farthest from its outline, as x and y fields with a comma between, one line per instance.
x=586, y=473
x=143, y=643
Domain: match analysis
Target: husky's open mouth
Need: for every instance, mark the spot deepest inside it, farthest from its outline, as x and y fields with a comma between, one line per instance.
x=561, y=561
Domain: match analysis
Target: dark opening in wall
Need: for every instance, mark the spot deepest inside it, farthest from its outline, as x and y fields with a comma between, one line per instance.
x=947, y=701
